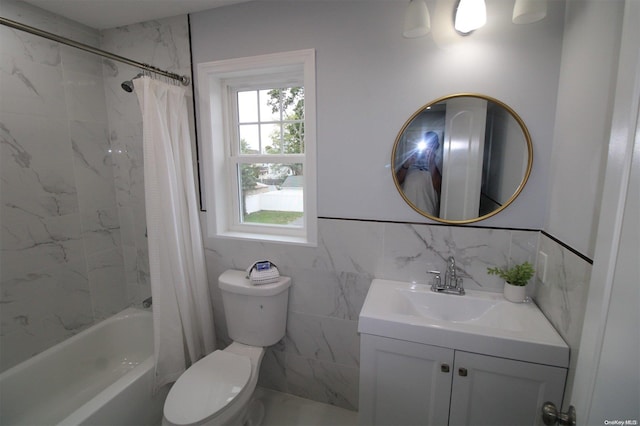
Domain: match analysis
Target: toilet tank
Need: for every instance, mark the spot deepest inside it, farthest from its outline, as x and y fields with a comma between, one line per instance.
x=256, y=315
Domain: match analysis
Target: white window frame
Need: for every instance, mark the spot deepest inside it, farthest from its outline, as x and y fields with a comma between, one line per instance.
x=218, y=81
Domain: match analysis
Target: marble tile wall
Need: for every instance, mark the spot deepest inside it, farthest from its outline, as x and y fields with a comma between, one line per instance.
x=61, y=266
x=563, y=296
x=319, y=357
x=164, y=44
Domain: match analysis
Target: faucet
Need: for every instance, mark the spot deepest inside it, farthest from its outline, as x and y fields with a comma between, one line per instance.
x=452, y=282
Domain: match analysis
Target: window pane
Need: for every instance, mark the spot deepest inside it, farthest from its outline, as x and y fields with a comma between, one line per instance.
x=293, y=103
x=248, y=107
x=270, y=105
x=289, y=101
x=249, y=138
x=271, y=194
x=293, y=138
x=271, y=138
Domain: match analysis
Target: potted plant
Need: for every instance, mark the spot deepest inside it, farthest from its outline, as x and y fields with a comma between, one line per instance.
x=515, y=280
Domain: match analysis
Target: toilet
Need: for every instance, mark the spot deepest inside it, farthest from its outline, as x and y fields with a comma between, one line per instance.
x=218, y=389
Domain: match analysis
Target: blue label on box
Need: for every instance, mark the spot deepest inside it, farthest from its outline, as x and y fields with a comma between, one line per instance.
x=263, y=266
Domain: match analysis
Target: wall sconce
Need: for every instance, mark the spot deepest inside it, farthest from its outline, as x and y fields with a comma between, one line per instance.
x=470, y=15
x=529, y=11
x=417, y=22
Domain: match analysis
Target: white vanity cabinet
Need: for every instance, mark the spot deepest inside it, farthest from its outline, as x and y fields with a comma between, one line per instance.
x=403, y=383
x=429, y=358
x=409, y=383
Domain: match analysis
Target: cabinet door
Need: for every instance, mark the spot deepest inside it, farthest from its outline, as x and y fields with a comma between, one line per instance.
x=497, y=391
x=403, y=383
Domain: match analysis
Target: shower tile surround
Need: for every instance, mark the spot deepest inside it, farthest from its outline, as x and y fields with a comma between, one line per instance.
x=83, y=226
x=61, y=266
x=165, y=44
x=73, y=240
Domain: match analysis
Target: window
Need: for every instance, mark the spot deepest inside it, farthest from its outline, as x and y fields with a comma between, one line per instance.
x=258, y=128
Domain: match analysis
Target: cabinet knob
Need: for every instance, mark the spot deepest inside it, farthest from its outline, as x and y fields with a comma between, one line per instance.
x=551, y=416
x=462, y=372
x=444, y=368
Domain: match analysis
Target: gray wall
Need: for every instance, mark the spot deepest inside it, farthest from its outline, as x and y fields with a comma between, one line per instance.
x=583, y=121
x=370, y=80
x=580, y=142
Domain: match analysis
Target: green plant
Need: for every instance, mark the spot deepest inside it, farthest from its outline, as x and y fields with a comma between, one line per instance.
x=516, y=275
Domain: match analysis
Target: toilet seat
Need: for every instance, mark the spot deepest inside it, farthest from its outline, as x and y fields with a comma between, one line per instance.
x=207, y=387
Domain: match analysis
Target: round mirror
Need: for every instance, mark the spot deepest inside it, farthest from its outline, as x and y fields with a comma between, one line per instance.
x=462, y=158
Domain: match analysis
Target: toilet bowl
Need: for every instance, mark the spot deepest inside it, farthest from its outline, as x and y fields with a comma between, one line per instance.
x=218, y=389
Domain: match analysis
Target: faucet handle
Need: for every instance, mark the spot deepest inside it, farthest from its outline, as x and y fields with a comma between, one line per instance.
x=436, y=278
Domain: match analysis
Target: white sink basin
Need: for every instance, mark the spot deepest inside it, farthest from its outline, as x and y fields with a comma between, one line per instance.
x=455, y=309
x=481, y=322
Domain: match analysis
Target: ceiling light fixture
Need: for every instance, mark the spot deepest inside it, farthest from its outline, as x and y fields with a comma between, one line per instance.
x=470, y=15
x=417, y=22
x=529, y=11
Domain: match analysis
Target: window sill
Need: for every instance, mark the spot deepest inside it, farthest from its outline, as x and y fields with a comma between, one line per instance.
x=282, y=239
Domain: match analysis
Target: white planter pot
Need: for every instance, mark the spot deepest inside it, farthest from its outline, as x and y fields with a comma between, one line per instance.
x=515, y=293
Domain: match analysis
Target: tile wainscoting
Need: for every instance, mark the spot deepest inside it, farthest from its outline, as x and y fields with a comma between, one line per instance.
x=319, y=357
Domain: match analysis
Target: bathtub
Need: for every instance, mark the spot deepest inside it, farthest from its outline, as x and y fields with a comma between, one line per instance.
x=101, y=376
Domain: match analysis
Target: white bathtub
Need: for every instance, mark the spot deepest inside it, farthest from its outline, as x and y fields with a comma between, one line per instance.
x=101, y=376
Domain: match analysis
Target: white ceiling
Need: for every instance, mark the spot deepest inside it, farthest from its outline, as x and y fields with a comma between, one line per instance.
x=101, y=14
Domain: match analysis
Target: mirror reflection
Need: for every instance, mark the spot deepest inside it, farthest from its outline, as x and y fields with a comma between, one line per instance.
x=462, y=158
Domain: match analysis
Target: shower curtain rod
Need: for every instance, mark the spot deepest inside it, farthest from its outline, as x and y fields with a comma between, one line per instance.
x=22, y=27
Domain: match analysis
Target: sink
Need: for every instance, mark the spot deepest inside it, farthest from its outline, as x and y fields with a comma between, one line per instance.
x=480, y=321
x=456, y=308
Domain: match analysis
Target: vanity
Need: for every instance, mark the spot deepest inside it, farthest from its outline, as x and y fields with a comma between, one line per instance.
x=429, y=358
x=442, y=354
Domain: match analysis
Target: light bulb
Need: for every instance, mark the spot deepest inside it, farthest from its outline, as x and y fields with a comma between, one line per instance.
x=417, y=22
x=471, y=15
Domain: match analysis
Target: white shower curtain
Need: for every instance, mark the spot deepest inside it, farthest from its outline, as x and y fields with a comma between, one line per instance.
x=182, y=313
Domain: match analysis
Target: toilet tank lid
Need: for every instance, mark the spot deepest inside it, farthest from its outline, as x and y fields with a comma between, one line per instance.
x=235, y=281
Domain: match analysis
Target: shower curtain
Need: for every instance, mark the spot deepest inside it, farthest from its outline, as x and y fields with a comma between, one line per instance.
x=182, y=313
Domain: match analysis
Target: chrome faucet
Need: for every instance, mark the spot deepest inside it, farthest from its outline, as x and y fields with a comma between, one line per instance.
x=450, y=278
x=452, y=282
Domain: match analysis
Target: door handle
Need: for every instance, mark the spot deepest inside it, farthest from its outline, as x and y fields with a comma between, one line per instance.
x=550, y=415
x=462, y=372
x=444, y=368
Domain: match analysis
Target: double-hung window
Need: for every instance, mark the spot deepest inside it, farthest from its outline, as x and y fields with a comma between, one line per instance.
x=258, y=127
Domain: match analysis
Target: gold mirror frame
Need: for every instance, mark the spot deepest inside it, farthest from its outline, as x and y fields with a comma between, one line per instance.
x=518, y=190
